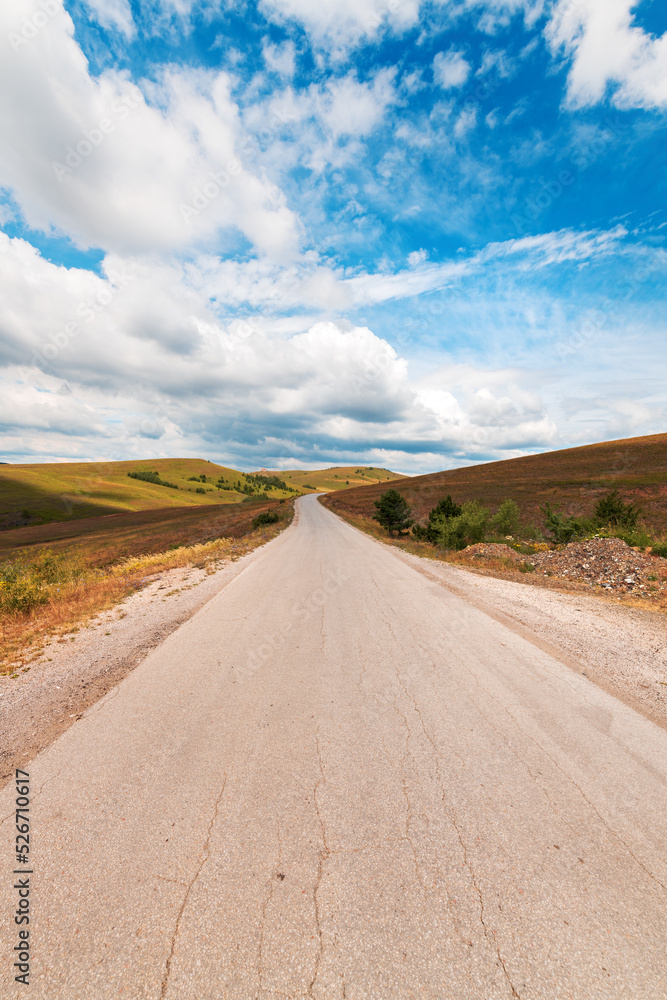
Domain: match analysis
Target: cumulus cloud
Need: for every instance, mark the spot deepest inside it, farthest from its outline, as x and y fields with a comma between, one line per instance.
x=450, y=69
x=343, y=23
x=609, y=54
x=114, y=14
x=280, y=58
x=94, y=158
x=141, y=347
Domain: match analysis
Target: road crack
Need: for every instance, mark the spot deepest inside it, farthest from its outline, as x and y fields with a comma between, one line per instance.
x=206, y=851
x=323, y=856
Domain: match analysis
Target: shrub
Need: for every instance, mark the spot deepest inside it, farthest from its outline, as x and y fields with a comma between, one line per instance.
x=393, y=512
x=200, y=489
x=506, y=519
x=659, y=549
x=446, y=508
x=613, y=511
x=564, y=529
x=465, y=529
x=266, y=517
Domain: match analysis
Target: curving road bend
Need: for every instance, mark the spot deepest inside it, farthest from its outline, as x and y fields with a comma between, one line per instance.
x=340, y=780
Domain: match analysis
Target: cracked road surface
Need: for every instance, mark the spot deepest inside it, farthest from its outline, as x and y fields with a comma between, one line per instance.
x=340, y=780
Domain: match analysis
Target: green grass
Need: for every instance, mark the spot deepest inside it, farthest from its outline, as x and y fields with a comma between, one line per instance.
x=48, y=492
x=336, y=478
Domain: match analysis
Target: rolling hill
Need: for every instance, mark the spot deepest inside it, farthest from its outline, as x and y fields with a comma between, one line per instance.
x=49, y=492
x=572, y=479
x=34, y=494
x=335, y=478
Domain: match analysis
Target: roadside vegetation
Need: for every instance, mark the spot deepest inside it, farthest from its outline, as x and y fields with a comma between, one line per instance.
x=453, y=526
x=50, y=585
x=612, y=547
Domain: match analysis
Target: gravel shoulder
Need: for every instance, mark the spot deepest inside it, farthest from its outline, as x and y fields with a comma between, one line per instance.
x=621, y=648
x=76, y=670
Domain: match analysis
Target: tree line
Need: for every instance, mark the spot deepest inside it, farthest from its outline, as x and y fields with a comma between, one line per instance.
x=454, y=526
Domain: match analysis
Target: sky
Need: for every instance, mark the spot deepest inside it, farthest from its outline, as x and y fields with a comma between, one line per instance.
x=293, y=234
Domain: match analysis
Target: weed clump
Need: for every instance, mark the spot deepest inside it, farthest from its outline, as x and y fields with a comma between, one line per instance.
x=266, y=517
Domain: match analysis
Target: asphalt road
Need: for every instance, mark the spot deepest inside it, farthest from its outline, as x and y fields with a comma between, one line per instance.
x=340, y=780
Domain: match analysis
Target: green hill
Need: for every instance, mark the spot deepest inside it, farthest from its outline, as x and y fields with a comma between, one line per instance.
x=343, y=477
x=34, y=494
x=48, y=492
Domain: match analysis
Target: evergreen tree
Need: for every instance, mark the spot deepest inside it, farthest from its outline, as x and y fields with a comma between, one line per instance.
x=393, y=512
x=611, y=510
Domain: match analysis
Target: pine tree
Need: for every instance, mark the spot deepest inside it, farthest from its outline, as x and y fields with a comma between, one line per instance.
x=393, y=512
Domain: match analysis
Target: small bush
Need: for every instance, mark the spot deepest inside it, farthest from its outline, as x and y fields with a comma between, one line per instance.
x=200, y=489
x=506, y=519
x=564, y=529
x=444, y=509
x=659, y=549
x=467, y=528
x=613, y=511
x=266, y=517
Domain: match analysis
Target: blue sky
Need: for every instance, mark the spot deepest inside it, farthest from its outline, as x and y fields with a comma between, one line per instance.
x=290, y=234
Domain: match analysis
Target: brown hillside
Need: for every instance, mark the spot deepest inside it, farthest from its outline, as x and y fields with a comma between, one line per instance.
x=572, y=479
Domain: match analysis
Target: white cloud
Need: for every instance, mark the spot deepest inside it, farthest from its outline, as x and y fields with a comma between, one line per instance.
x=94, y=159
x=114, y=14
x=465, y=122
x=450, y=69
x=280, y=58
x=342, y=23
x=608, y=52
x=80, y=351
x=417, y=257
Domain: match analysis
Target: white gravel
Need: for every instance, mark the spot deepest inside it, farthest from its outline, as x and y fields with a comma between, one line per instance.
x=622, y=649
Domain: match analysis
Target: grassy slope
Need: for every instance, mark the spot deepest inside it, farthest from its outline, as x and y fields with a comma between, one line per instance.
x=70, y=491
x=572, y=479
x=63, y=491
x=336, y=478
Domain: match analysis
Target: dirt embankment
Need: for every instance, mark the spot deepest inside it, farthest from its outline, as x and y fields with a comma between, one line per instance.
x=606, y=564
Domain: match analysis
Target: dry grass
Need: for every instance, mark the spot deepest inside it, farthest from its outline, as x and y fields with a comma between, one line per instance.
x=573, y=479
x=50, y=590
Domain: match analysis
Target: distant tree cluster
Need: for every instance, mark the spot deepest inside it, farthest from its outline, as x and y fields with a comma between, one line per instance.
x=611, y=513
x=146, y=476
x=268, y=482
